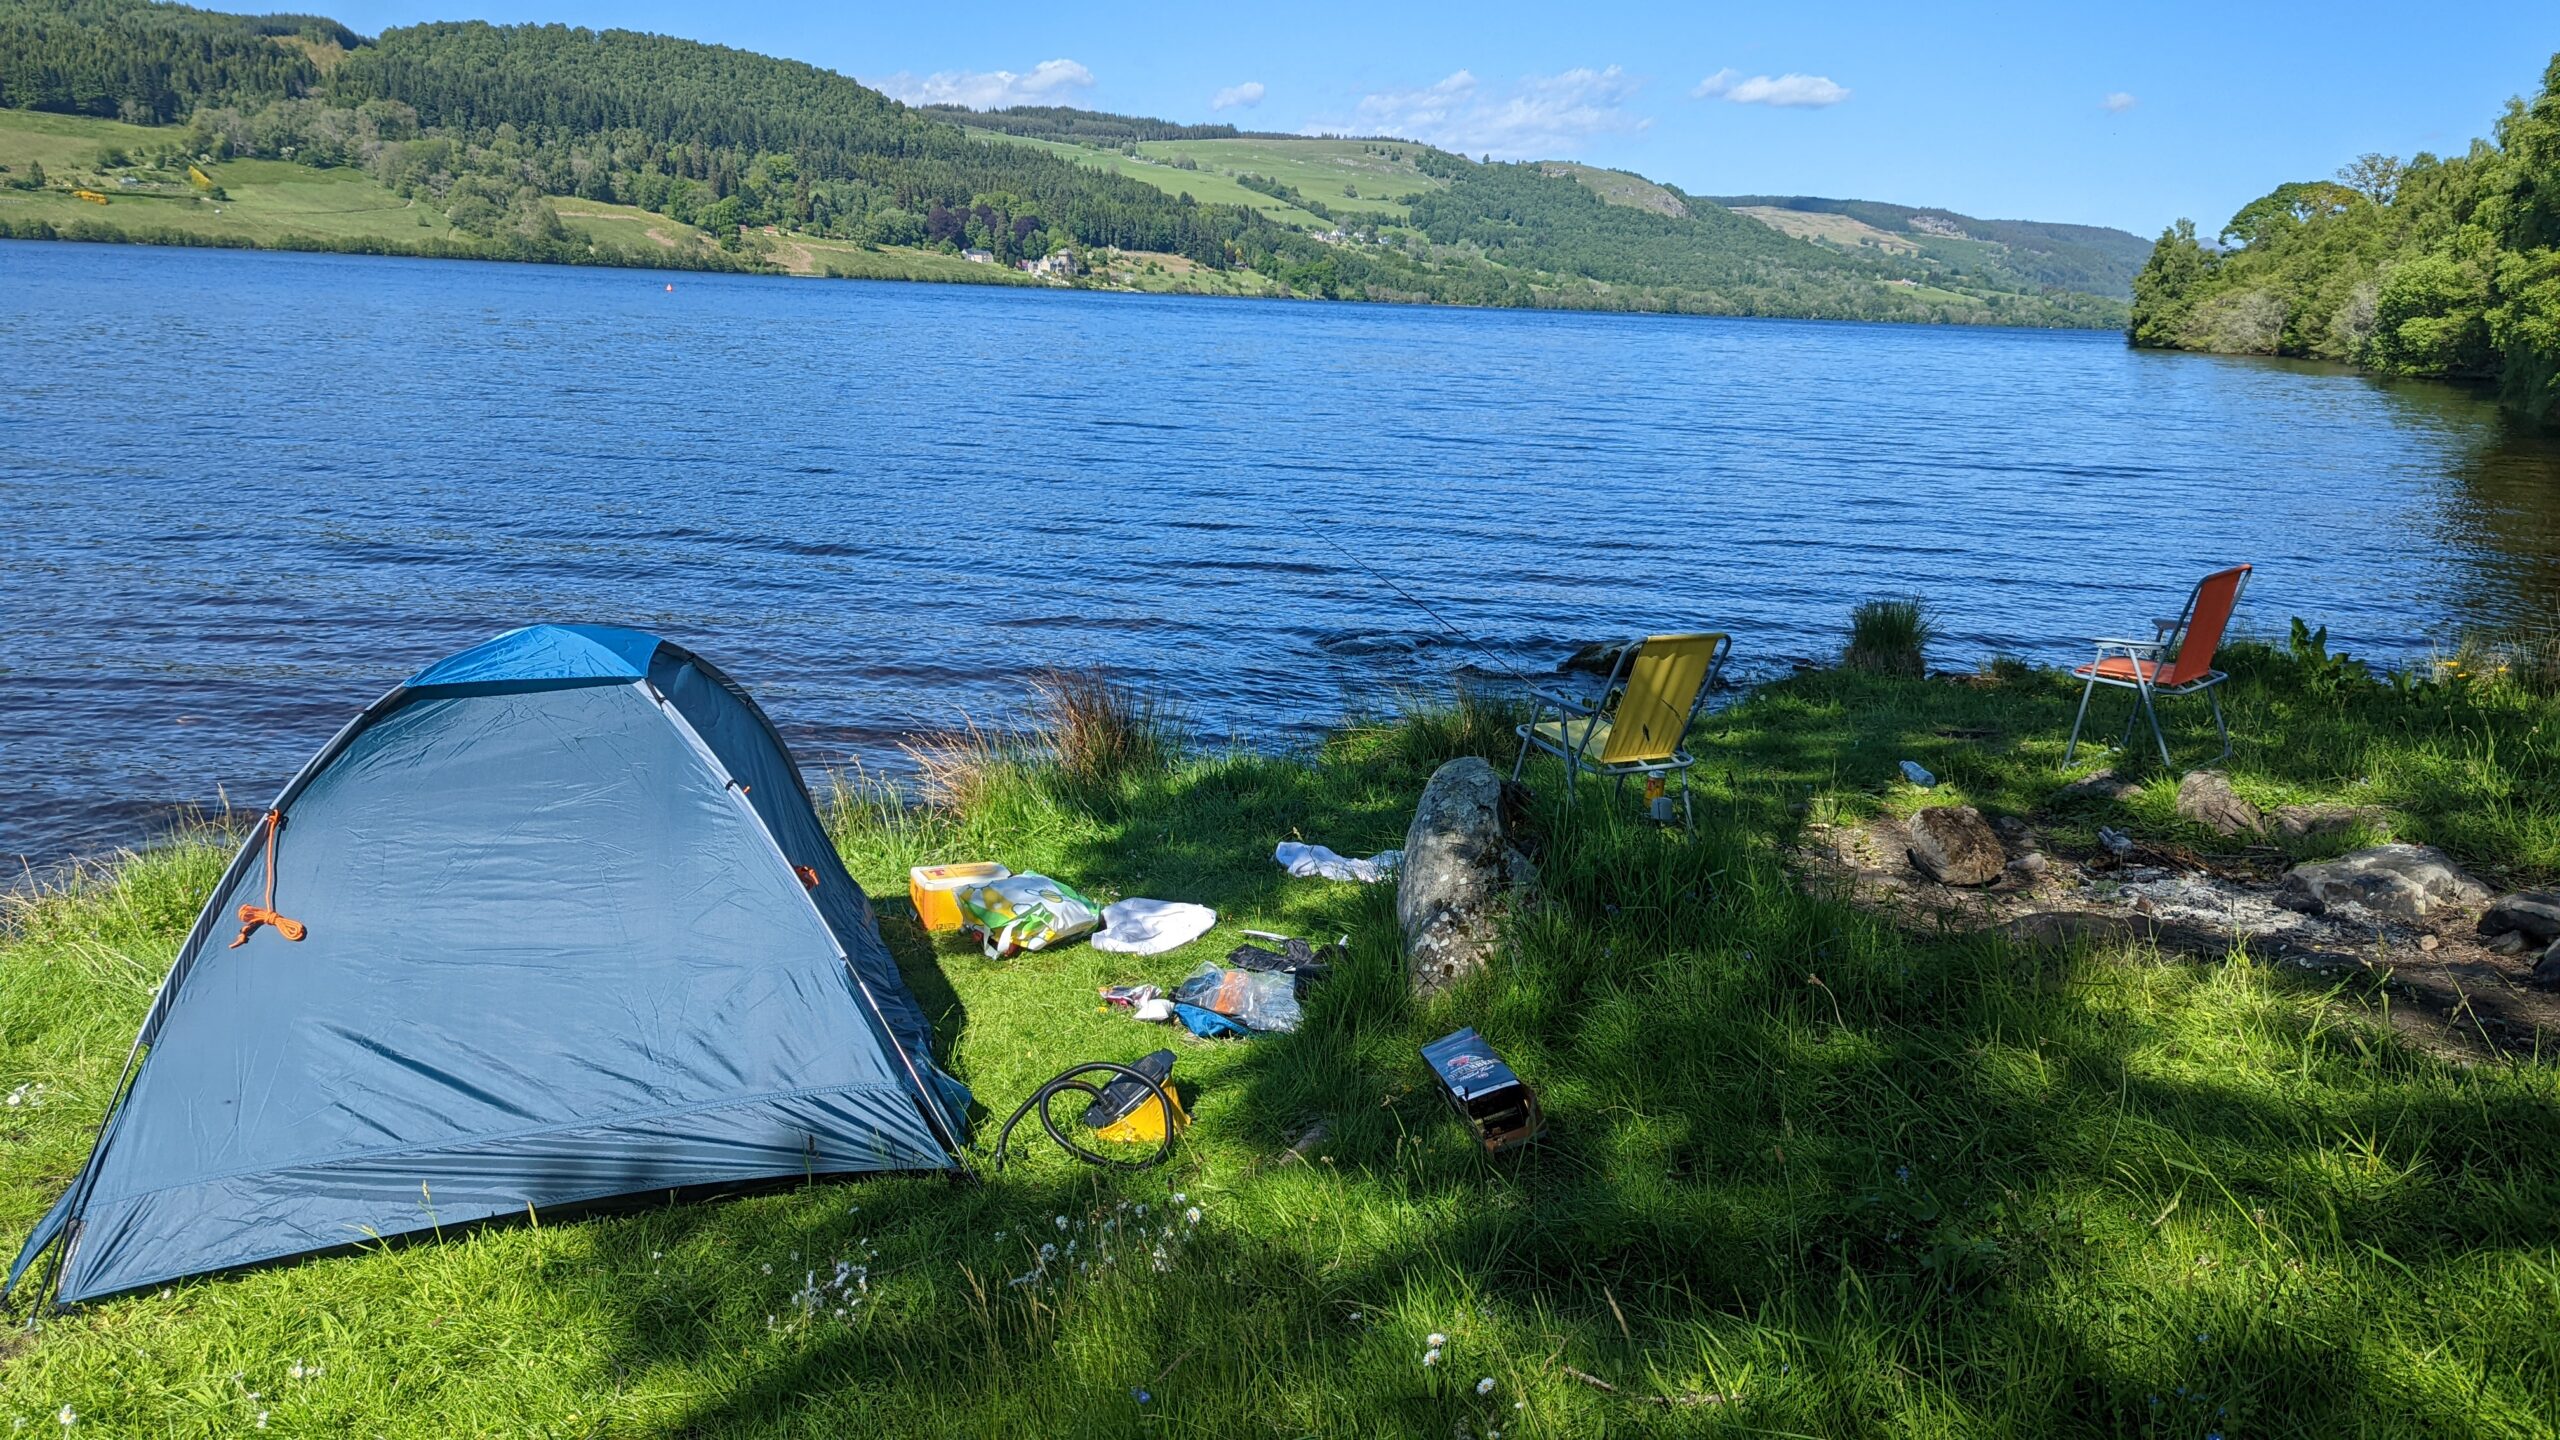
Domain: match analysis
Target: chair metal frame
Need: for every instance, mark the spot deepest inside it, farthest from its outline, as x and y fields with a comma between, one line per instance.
x=1577, y=757
x=2160, y=654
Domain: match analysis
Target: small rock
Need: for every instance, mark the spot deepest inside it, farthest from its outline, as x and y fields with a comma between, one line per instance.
x=2428, y=942
x=2535, y=912
x=2507, y=942
x=2401, y=882
x=2032, y=863
x=1952, y=845
x=2302, y=824
x=2546, y=971
x=2105, y=785
x=1597, y=658
x=2206, y=797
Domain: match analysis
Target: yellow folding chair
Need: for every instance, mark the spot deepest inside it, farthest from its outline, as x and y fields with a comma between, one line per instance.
x=1654, y=693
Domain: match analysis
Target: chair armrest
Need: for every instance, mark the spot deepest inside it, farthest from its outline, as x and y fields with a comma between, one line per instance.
x=1565, y=702
x=2112, y=642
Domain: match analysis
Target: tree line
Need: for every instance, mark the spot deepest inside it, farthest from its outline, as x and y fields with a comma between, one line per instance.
x=490, y=124
x=2439, y=266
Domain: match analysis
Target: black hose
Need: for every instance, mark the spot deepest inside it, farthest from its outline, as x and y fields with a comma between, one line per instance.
x=1065, y=1081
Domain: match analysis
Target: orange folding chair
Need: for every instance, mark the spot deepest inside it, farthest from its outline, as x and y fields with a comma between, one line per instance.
x=2177, y=660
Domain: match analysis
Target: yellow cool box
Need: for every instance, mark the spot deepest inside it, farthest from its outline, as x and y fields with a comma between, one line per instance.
x=935, y=891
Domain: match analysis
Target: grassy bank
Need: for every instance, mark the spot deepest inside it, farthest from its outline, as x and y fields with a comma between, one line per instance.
x=1808, y=1173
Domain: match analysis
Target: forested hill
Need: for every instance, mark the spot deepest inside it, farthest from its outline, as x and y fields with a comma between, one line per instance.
x=2090, y=258
x=482, y=139
x=1061, y=122
x=2445, y=266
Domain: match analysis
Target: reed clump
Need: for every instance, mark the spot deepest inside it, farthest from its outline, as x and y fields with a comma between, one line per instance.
x=1889, y=636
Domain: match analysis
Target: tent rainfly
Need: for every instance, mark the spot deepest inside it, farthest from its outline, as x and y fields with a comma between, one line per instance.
x=552, y=923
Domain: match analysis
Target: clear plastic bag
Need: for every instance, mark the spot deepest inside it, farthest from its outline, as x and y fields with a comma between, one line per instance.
x=1255, y=1000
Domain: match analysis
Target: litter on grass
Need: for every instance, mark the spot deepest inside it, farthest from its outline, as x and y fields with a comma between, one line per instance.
x=1151, y=927
x=1288, y=955
x=1256, y=999
x=1496, y=1104
x=1317, y=862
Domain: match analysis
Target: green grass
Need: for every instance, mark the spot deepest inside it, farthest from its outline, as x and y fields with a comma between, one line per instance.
x=1319, y=169
x=1849, y=1180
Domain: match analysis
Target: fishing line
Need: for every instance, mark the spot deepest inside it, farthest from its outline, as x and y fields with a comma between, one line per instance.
x=1416, y=602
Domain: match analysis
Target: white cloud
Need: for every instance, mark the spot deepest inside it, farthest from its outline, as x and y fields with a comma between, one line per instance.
x=1047, y=83
x=1790, y=91
x=2118, y=102
x=1248, y=95
x=1533, y=117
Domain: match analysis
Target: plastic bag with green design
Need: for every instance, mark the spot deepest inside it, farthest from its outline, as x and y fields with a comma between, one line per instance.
x=1022, y=913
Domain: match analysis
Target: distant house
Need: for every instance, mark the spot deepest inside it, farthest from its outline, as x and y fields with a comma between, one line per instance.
x=1062, y=263
x=979, y=257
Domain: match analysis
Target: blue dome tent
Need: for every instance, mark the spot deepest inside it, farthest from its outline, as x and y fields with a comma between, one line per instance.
x=552, y=923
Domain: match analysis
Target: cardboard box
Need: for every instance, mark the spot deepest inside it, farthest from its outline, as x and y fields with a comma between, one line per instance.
x=1496, y=1104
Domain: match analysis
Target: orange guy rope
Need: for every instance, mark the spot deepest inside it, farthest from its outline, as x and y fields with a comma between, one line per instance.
x=253, y=916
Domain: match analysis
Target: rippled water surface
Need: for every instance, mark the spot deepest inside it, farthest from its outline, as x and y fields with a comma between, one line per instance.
x=243, y=494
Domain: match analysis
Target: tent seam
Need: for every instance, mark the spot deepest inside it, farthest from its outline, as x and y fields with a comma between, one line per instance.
x=898, y=1092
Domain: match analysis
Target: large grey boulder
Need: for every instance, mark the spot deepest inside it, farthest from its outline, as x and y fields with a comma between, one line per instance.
x=1953, y=845
x=2533, y=913
x=2397, y=882
x=2206, y=797
x=1460, y=866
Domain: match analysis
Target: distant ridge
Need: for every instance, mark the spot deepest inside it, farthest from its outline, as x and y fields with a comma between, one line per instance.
x=1060, y=122
x=2093, y=259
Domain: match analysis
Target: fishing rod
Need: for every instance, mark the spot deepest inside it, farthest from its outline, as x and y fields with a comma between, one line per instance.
x=1416, y=602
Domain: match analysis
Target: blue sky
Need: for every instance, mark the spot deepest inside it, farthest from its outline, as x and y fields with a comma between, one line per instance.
x=2126, y=115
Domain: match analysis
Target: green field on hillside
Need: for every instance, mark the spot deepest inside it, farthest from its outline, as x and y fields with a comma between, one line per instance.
x=1208, y=184
x=1620, y=187
x=1319, y=169
x=261, y=202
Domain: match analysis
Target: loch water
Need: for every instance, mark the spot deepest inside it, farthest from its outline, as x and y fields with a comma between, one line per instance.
x=243, y=494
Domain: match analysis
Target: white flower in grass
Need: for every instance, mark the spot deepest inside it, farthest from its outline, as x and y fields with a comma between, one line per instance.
x=1431, y=1357
x=1435, y=1340
x=1062, y=1222
x=768, y=1269
x=1191, y=1216
x=1485, y=1386
x=262, y=1420
x=66, y=1417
